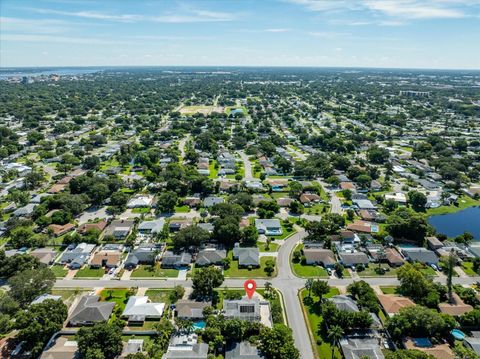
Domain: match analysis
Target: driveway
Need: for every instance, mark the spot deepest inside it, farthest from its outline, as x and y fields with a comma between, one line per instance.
x=247, y=166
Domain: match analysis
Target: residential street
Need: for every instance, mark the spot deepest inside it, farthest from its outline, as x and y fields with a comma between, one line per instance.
x=247, y=166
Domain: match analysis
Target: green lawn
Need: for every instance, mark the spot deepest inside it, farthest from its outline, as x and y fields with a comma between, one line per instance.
x=159, y=296
x=389, y=290
x=286, y=231
x=468, y=269
x=68, y=294
x=220, y=294
x=182, y=209
x=370, y=271
x=118, y=296
x=213, y=171
x=319, y=340
x=309, y=271
x=146, y=271
x=262, y=247
x=234, y=272
x=429, y=271
x=59, y=271
x=274, y=302
x=463, y=202
x=142, y=210
x=88, y=272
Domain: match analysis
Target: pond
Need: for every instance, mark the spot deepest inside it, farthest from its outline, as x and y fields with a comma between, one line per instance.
x=454, y=224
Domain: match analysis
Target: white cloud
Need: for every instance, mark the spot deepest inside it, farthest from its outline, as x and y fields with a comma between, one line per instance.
x=58, y=39
x=328, y=34
x=414, y=9
x=277, y=30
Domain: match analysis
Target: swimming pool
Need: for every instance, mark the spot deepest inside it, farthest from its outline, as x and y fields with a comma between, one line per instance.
x=422, y=342
x=458, y=334
x=199, y=325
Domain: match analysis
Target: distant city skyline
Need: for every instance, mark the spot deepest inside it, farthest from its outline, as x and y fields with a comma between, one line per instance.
x=421, y=34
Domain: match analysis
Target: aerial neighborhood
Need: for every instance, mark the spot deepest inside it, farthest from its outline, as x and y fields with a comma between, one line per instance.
x=131, y=216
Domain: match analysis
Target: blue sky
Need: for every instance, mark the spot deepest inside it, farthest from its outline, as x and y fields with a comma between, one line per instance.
x=357, y=33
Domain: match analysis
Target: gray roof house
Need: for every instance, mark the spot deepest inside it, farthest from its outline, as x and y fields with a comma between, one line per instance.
x=269, y=227
x=24, y=211
x=247, y=256
x=76, y=257
x=151, y=227
x=420, y=255
x=186, y=346
x=211, y=201
x=209, y=256
x=243, y=350
x=90, y=310
x=172, y=260
x=354, y=348
x=189, y=309
x=473, y=343
x=349, y=259
x=244, y=309
x=344, y=302
x=143, y=254
x=120, y=229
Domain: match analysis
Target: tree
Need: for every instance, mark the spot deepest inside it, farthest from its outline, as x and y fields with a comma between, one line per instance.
x=320, y=288
x=205, y=280
x=408, y=354
x=27, y=285
x=91, y=163
x=39, y=322
x=102, y=336
x=417, y=200
x=243, y=199
x=277, y=343
x=190, y=236
x=404, y=223
x=167, y=202
x=296, y=207
x=309, y=285
x=227, y=210
x=250, y=236
x=334, y=335
x=269, y=267
x=377, y=155
x=227, y=231
x=451, y=261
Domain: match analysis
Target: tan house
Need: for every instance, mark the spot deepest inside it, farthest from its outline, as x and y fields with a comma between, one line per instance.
x=393, y=303
x=315, y=255
x=456, y=308
x=100, y=226
x=59, y=230
x=109, y=259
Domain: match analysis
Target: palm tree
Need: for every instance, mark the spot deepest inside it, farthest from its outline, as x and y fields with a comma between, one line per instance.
x=334, y=335
x=308, y=285
x=450, y=264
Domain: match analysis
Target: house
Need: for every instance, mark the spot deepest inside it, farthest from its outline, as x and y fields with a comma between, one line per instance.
x=186, y=346
x=243, y=350
x=59, y=230
x=77, y=256
x=44, y=255
x=456, y=308
x=434, y=243
x=244, y=309
x=315, y=255
x=254, y=185
x=61, y=348
x=394, y=258
x=347, y=185
x=210, y=256
x=138, y=308
x=284, y=201
x=141, y=201
x=44, y=297
x=192, y=202
x=151, y=227
x=247, y=257
x=269, y=227
x=57, y=188
x=344, y=302
x=172, y=260
x=398, y=197
x=308, y=198
x=473, y=343
x=37, y=199
x=90, y=310
x=206, y=227
x=361, y=347
x=363, y=226
x=349, y=259
x=132, y=347
x=363, y=204
x=189, y=309
x=25, y=211
x=107, y=259
x=420, y=255
x=120, y=229
x=439, y=351
x=98, y=226
x=392, y=304
x=212, y=201
x=144, y=254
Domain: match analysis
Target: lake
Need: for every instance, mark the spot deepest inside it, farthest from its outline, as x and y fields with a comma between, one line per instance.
x=453, y=224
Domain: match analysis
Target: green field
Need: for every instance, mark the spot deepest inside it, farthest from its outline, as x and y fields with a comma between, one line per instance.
x=389, y=290
x=182, y=209
x=309, y=271
x=463, y=202
x=59, y=271
x=88, y=272
x=235, y=272
x=468, y=269
x=319, y=340
x=118, y=296
x=159, y=296
x=370, y=271
x=145, y=271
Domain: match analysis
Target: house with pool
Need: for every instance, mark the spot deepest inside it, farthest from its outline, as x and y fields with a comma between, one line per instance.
x=269, y=227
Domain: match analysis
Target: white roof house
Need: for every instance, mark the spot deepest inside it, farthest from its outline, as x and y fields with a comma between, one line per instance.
x=397, y=197
x=139, y=306
x=140, y=201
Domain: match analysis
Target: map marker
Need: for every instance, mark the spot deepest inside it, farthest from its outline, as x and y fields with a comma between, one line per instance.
x=250, y=287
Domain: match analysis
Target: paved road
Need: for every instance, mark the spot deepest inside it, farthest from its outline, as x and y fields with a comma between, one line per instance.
x=181, y=145
x=335, y=204
x=247, y=166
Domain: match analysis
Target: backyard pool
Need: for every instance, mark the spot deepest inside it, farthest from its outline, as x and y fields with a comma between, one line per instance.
x=199, y=325
x=454, y=224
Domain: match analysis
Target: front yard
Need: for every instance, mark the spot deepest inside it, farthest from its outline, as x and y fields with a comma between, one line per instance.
x=309, y=270
x=468, y=269
x=234, y=272
x=148, y=271
x=372, y=271
x=59, y=271
x=118, y=296
x=87, y=272
x=159, y=296
x=311, y=309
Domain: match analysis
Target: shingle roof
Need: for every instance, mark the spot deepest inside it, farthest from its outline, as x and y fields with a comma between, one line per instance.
x=90, y=309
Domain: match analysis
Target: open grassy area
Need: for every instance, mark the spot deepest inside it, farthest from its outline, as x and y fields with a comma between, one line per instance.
x=388, y=290
x=213, y=171
x=309, y=270
x=463, y=202
x=118, y=296
x=88, y=272
x=68, y=294
x=182, y=209
x=370, y=271
x=262, y=247
x=146, y=271
x=468, y=269
x=287, y=231
x=159, y=295
x=323, y=349
x=59, y=271
x=221, y=293
x=234, y=272
x=142, y=210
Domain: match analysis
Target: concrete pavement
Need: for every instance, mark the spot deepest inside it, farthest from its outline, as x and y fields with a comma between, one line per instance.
x=247, y=166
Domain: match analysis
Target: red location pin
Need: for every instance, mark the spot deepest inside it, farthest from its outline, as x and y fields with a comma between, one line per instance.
x=250, y=287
